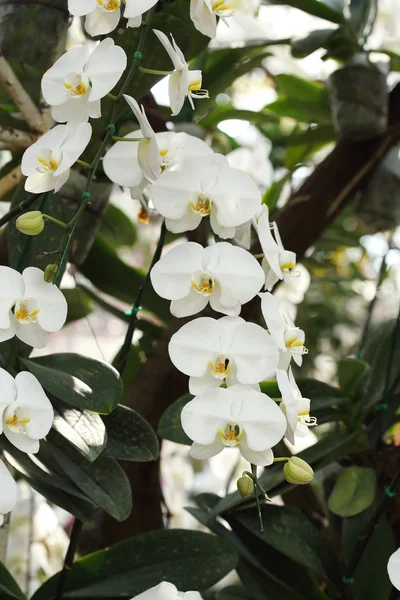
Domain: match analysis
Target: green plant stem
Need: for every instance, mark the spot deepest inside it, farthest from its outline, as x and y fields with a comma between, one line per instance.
x=257, y=487
x=69, y=558
x=83, y=163
x=154, y=71
x=17, y=210
x=115, y=138
x=66, y=240
x=370, y=528
x=125, y=348
x=56, y=221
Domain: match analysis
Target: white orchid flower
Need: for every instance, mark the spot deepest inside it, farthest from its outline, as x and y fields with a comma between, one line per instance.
x=238, y=416
x=289, y=338
x=204, y=14
x=134, y=10
x=295, y=408
x=26, y=413
x=167, y=591
x=8, y=487
x=148, y=152
x=182, y=82
x=47, y=163
x=121, y=162
x=277, y=263
x=192, y=276
x=30, y=308
x=211, y=351
x=195, y=189
x=102, y=16
x=393, y=569
x=77, y=81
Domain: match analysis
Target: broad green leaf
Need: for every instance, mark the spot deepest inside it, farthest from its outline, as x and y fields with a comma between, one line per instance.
x=170, y=427
x=192, y=560
x=370, y=578
x=224, y=113
x=112, y=276
x=382, y=353
x=394, y=59
x=301, y=111
x=303, y=90
x=290, y=532
x=354, y=491
x=78, y=381
x=80, y=304
x=9, y=588
x=352, y=374
x=324, y=9
x=130, y=437
x=83, y=429
x=51, y=484
x=263, y=587
x=233, y=592
x=273, y=193
x=117, y=228
x=103, y=481
x=304, y=46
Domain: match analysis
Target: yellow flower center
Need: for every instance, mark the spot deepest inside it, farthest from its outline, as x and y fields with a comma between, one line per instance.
x=205, y=285
x=231, y=436
x=110, y=5
x=48, y=164
x=288, y=266
x=195, y=85
x=202, y=206
x=221, y=368
x=17, y=423
x=221, y=6
x=293, y=343
x=23, y=315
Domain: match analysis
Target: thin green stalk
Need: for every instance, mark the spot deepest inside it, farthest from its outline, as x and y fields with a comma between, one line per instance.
x=66, y=240
x=256, y=488
x=115, y=138
x=56, y=221
x=154, y=71
x=83, y=163
x=124, y=352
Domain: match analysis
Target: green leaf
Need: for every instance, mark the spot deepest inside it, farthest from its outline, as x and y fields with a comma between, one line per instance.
x=130, y=437
x=112, y=276
x=225, y=113
x=117, y=229
x=394, y=59
x=82, y=429
x=47, y=482
x=382, y=352
x=9, y=588
x=361, y=11
x=191, y=560
x=80, y=304
x=352, y=374
x=78, y=381
x=274, y=192
x=169, y=427
x=233, y=592
x=303, y=90
x=317, y=8
x=263, y=587
x=354, y=491
x=103, y=481
x=370, y=578
x=289, y=531
x=304, y=46
x=303, y=112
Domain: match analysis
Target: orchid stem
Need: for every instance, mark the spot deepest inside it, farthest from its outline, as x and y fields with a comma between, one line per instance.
x=126, y=346
x=83, y=163
x=259, y=255
x=115, y=138
x=69, y=557
x=56, y=221
x=112, y=97
x=256, y=488
x=154, y=71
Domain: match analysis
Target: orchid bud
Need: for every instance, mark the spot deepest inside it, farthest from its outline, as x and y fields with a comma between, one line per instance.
x=30, y=223
x=298, y=471
x=50, y=272
x=245, y=486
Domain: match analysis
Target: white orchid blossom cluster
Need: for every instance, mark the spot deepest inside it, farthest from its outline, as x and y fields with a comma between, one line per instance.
x=226, y=350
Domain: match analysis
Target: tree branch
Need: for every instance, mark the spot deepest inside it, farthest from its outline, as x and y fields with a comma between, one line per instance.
x=21, y=98
x=9, y=182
